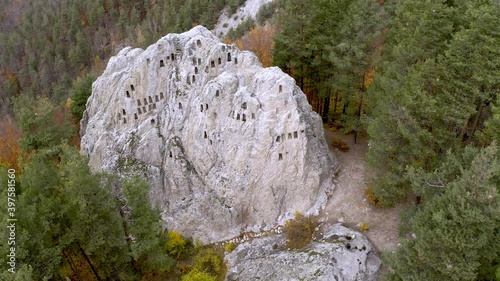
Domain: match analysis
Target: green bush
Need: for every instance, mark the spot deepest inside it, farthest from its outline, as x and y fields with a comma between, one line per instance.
x=176, y=245
x=229, y=247
x=80, y=92
x=198, y=276
x=209, y=261
x=265, y=12
x=242, y=28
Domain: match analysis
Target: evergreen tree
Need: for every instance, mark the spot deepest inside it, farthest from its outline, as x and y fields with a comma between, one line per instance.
x=457, y=233
x=142, y=224
x=420, y=103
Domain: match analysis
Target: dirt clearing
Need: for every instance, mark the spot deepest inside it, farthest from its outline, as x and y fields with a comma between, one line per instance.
x=349, y=205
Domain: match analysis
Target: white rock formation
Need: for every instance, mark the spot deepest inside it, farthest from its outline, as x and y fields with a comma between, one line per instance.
x=340, y=255
x=226, y=144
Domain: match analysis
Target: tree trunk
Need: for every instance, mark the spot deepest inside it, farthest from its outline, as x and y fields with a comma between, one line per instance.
x=326, y=108
x=476, y=121
x=346, y=104
x=356, y=132
x=89, y=262
x=335, y=103
x=71, y=263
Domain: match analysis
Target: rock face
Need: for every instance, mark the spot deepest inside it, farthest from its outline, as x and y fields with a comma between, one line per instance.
x=341, y=254
x=226, y=144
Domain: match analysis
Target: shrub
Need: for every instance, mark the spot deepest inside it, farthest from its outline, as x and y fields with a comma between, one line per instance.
x=364, y=227
x=299, y=231
x=339, y=144
x=241, y=29
x=198, y=276
x=176, y=244
x=229, y=247
x=372, y=199
x=209, y=261
x=265, y=12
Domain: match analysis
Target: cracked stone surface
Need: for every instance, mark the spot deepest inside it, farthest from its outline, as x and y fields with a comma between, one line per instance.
x=340, y=254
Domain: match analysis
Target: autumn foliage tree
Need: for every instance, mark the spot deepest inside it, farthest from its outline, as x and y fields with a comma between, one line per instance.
x=260, y=40
x=9, y=145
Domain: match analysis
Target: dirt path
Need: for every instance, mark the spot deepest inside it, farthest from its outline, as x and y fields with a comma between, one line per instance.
x=349, y=204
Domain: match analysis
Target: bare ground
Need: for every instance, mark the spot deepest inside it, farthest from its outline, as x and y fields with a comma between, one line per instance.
x=349, y=205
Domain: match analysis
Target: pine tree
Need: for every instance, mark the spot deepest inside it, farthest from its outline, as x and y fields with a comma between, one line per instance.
x=143, y=224
x=457, y=233
x=421, y=102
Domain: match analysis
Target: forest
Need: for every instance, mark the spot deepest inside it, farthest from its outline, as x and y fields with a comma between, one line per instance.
x=419, y=79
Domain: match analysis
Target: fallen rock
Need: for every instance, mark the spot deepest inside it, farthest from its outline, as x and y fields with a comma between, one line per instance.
x=340, y=255
x=227, y=145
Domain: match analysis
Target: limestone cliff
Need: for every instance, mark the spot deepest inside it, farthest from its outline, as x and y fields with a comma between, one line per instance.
x=226, y=144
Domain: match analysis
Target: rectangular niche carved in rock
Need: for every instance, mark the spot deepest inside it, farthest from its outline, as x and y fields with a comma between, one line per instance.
x=220, y=61
x=280, y=88
x=238, y=117
x=199, y=61
x=243, y=118
x=235, y=60
x=212, y=64
x=128, y=94
x=206, y=106
x=172, y=57
x=124, y=120
x=132, y=88
x=150, y=99
x=156, y=98
x=152, y=121
x=217, y=93
x=123, y=111
x=194, y=61
x=244, y=105
x=201, y=107
x=205, y=134
x=228, y=56
x=196, y=70
x=295, y=134
x=138, y=102
x=154, y=105
x=194, y=78
x=253, y=115
x=170, y=154
x=161, y=95
x=150, y=107
x=161, y=63
x=135, y=116
x=144, y=109
x=139, y=110
x=289, y=135
x=280, y=156
x=145, y=101
x=278, y=139
x=180, y=105
x=198, y=43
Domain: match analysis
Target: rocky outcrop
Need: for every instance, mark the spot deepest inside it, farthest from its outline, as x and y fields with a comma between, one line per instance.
x=227, y=145
x=339, y=255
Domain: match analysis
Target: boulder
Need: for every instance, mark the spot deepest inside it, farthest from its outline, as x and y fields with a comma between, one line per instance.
x=227, y=145
x=339, y=255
